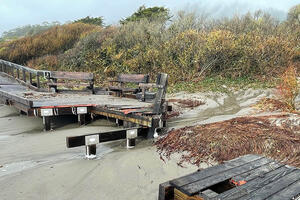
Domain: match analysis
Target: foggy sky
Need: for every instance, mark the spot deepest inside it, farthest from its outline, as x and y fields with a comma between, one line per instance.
x=14, y=13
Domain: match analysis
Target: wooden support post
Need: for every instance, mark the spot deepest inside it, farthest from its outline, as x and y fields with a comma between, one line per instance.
x=81, y=119
x=130, y=143
x=24, y=75
x=13, y=72
x=47, y=123
x=38, y=81
x=30, y=78
x=18, y=74
x=131, y=136
x=90, y=151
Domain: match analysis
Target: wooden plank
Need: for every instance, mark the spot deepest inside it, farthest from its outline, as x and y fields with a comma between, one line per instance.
x=274, y=186
x=24, y=75
x=257, y=172
x=290, y=192
x=258, y=182
x=30, y=78
x=179, y=182
x=162, y=82
x=133, y=78
x=208, y=194
x=16, y=98
x=166, y=191
x=199, y=185
x=72, y=75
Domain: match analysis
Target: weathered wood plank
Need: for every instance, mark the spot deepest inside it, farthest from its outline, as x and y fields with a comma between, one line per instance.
x=258, y=182
x=199, y=185
x=179, y=182
x=274, y=186
x=16, y=98
x=72, y=75
x=257, y=172
x=166, y=191
x=290, y=192
x=133, y=78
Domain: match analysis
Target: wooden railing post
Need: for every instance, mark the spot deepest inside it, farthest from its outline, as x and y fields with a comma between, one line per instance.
x=38, y=81
x=13, y=72
x=24, y=75
x=30, y=78
x=18, y=74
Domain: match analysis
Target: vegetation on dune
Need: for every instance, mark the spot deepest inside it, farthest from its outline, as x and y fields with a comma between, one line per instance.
x=91, y=20
x=196, y=51
x=27, y=30
x=54, y=41
x=150, y=14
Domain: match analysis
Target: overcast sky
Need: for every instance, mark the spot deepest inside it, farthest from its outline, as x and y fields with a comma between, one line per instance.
x=14, y=13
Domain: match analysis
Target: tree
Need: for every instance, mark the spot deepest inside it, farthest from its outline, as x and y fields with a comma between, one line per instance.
x=294, y=15
x=91, y=20
x=151, y=14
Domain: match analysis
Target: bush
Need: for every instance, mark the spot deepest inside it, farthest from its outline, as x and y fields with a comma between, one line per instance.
x=288, y=88
x=54, y=41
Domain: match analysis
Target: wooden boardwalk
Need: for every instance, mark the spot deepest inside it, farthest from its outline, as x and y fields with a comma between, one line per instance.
x=39, y=102
x=248, y=177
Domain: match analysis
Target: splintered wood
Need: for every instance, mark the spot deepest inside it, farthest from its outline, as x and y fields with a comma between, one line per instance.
x=276, y=136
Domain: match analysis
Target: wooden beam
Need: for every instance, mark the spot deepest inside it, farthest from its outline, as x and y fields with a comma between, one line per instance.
x=72, y=75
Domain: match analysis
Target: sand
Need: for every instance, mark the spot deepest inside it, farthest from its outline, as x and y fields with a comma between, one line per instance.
x=36, y=165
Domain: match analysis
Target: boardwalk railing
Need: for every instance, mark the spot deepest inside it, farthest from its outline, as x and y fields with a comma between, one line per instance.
x=24, y=75
x=31, y=77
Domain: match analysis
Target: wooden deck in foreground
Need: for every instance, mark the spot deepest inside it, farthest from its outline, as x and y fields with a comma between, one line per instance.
x=248, y=177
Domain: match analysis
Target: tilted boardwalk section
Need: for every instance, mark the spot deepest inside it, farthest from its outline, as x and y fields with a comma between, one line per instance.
x=26, y=94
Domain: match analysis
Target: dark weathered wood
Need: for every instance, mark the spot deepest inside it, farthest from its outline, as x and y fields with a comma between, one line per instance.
x=208, y=194
x=193, y=188
x=16, y=98
x=247, y=176
x=18, y=74
x=24, y=75
x=162, y=81
x=38, y=83
x=290, y=192
x=166, y=191
x=257, y=183
x=76, y=141
x=133, y=78
x=72, y=75
x=274, y=187
x=30, y=78
x=199, y=175
x=68, y=84
x=81, y=119
x=47, y=123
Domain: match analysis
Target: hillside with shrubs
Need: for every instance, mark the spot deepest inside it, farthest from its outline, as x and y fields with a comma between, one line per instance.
x=191, y=48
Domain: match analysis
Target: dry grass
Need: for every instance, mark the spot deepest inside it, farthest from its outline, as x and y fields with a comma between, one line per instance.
x=229, y=139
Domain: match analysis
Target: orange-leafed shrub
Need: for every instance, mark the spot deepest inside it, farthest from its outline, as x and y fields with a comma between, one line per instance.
x=288, y=89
